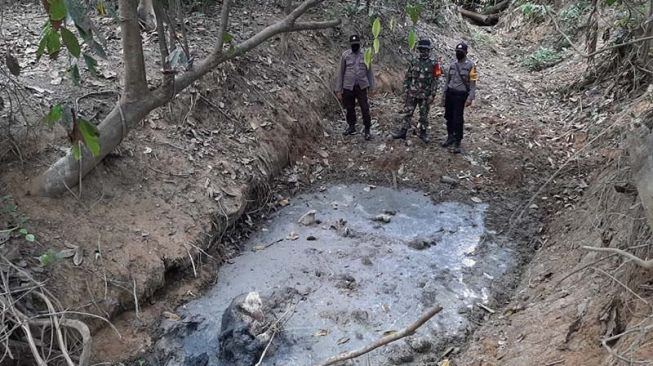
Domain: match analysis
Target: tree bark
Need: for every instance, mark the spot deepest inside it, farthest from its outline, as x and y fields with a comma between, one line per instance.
x=481, y=19
x=498, y=8
x=137, y=101
x=283, y=47
x=135, y=82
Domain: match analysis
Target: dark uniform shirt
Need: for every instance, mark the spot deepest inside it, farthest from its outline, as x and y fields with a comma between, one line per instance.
x=422, y=77
x=461, y=77
x=353, y=71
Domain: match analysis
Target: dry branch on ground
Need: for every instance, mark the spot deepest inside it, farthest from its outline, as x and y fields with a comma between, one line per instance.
x=409, y=330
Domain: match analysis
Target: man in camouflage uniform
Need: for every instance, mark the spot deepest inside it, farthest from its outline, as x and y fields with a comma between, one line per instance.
x=420, y=85
x=459, y=92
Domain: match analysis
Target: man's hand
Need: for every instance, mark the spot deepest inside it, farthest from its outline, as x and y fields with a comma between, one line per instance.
x=468, y=103
x=339, y=96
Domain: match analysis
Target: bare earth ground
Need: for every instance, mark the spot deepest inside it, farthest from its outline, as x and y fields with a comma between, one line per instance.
x=158, y=209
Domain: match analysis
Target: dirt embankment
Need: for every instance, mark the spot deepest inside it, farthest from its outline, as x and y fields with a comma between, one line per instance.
x=154, y=215
x=574, y=306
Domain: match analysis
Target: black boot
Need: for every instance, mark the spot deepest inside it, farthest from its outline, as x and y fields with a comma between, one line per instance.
x=399, y=134
x=424, y=136
x=448, y=142
x=367, y=134
x=349, y=131
x=456, y=147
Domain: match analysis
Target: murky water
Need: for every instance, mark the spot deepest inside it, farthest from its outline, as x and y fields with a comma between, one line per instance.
x=360, y=279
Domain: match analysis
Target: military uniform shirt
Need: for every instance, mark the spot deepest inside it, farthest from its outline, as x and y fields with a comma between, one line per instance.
x=469, y=76
x=422, y=77
x=353, y=71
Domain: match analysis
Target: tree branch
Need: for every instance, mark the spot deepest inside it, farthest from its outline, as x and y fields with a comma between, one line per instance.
x=168, y=76
x=639, y=261
x=313, y=25
x=590, y=55
x=135, y=82
x=409, y=330
x=285, y=25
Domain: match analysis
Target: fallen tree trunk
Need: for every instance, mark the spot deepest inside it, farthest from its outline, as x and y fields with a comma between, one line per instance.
x=137, y=101
x=498, y=8
x=481, y=19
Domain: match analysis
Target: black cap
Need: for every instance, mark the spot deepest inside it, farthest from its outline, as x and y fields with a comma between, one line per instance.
x=354, y=39
x=424, y=43
x=462, y=46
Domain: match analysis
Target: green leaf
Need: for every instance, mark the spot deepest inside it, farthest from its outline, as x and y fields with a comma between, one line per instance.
x=70, y=40
x=412, y=39
x=30, y=237
x=177, y=59
x=48, y=257
x=42, y=44
x=12, y=64
x=23, y=231
x=97, y=48
x=610, y=2
x=74, y=74
x=227, y=37
x=77, y=12
x=90, y=135
x=53, y=43
x=56, y=9
x=45, y=31
x=377, y=45
x=367, y=58
x=54, y=116
x=77, y=152
x=376, y=27
x=414, y=12
x=91, y=64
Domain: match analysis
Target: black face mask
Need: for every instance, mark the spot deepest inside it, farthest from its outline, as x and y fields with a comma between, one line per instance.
x=460, y=55
x=424, y=52
x=355, y=48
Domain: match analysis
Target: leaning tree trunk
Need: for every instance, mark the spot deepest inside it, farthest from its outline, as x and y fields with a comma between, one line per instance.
x=498, y=8
x=491, y=19
x=137, y=101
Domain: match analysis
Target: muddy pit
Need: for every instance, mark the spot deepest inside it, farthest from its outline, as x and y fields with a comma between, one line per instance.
x=371, y=262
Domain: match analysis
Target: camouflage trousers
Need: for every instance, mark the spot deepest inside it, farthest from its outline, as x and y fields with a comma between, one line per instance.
x=409, y=109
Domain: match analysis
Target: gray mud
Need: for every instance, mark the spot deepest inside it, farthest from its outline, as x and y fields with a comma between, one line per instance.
x=348, y=283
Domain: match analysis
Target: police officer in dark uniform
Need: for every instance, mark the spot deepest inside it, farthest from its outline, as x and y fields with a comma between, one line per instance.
x=353, y=81
x=459, y=92
x=420, y=84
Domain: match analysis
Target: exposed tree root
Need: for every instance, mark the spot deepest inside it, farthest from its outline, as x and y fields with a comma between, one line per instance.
x=647, y=264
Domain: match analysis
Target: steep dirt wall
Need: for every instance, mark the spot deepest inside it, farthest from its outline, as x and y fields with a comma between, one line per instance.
x=570, y=298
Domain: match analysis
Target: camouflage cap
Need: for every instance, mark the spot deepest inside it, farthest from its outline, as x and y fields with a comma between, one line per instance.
x=462, y=46
x=354, y=39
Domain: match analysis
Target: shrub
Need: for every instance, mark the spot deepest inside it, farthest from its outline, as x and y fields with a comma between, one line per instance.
x=535, y=12
x=542, y=59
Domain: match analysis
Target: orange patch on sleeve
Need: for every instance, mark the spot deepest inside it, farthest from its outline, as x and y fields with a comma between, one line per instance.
x=437, y=71
x=473, y=75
